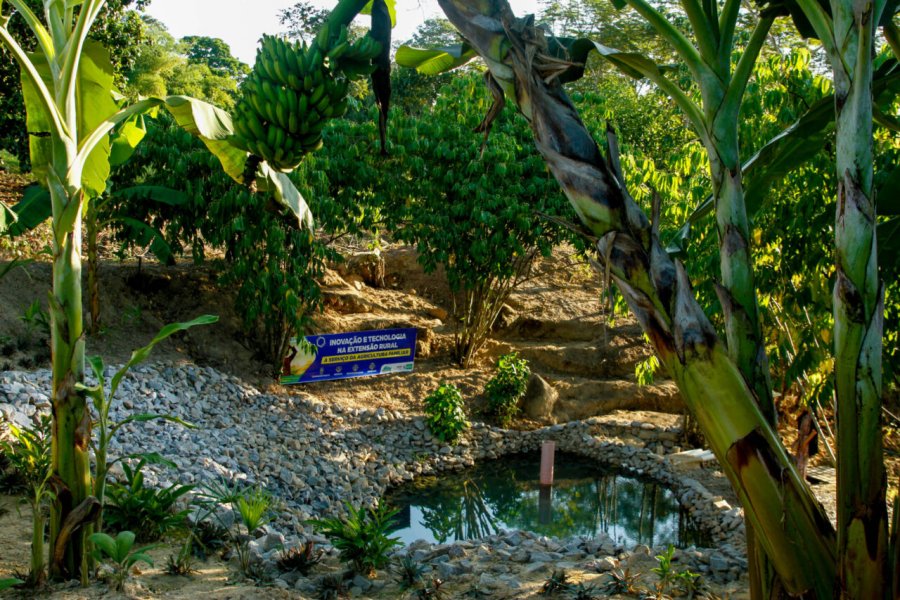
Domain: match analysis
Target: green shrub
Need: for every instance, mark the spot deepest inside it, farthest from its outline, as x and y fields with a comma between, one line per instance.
x=119, y=555
x=507, y=387
x=273, y=265
x=254, y=507
x=444, y=413
x=136, y=507
x=361, y=537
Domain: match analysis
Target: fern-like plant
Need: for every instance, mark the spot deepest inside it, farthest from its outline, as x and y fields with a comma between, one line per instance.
x=361, y=537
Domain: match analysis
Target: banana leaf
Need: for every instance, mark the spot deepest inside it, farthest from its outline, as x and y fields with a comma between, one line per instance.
x=95, y=99
x=145, y=235
x=32, y=210
x=434, y=61
x=389, y=6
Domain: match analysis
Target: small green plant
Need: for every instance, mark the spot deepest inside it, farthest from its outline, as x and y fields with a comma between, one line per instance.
x=621, y=582
x=645, y=371
x=254, y=507
x=584, y=591
x=208, y=536
x=556, y=583
x=9, y=582
x=691, y=585
x=28, y=453
x=223, y=492
x=150, y=511
x=182, y=562
x=664, y=571
x=444, y=413
x=507, y=387
x=106, y=429
x=361, y=537
x=35, y=318
x=300, y=559
x=119, y=554
x=408, y=572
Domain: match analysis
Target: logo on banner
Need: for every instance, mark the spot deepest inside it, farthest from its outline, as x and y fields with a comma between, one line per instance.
x=344, y=355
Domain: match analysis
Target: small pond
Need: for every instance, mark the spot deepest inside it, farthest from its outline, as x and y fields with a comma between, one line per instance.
x=586, y=499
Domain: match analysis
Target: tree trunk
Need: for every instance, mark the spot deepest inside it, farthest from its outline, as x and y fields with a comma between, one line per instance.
x=71, y=417
x=92, y=227
x=737, y=295
x=778, y=504
x=858, y=316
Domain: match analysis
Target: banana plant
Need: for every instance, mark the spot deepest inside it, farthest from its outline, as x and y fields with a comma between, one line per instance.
x=721, y=81
x=103, y=402
x=846, y=30
x=778, y=503
x=71, y=110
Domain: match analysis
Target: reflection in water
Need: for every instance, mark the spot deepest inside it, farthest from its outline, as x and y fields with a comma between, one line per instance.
x=586, y=499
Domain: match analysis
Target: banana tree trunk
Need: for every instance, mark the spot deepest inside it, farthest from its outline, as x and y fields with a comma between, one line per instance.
x=737, y=295
x=791, y=526
x=92, y=225
x=71, y=417
x=858, y=316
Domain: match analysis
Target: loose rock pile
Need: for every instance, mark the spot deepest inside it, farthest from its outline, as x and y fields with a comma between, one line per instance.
x=316, y=457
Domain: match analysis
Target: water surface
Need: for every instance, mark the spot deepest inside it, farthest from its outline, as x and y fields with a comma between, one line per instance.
x=587, y=498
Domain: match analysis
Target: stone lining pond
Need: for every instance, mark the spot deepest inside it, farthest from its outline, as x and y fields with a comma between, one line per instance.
x=586, y=499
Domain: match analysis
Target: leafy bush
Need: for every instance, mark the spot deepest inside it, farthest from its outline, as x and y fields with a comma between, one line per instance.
x=136, y=507
x=361, y=537
x=273, y=264
x=444, y=412
x=480, y=216
x=118, y=552
x=507, y=386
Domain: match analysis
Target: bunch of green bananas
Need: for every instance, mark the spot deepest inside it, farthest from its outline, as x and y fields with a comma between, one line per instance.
x=293, y=90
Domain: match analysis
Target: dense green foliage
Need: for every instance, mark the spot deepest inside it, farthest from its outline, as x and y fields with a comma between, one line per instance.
x=119, y=28
x=793, y=261
x=361, y=537
x=444, y=413
x=273, y=265
x=506, y=387
x=149, y=510
x=479, y=212
x=200, y=67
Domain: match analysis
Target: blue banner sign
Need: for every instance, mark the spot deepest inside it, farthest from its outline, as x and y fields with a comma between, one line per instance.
x=343, y=355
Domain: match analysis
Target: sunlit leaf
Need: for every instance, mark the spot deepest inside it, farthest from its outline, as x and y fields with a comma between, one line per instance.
x=391, y=9
x=32, y=210
x=435, y=61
